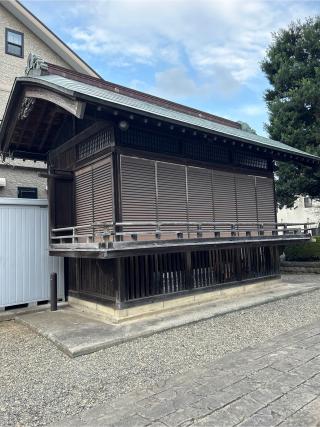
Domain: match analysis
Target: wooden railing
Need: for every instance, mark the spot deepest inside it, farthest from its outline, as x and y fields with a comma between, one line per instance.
x=105, y=232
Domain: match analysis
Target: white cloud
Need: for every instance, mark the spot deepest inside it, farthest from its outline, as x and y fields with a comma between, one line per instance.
x=174, y=82
x=253, y=110
x=219, y=42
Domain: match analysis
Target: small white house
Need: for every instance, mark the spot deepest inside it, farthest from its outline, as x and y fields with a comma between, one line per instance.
x=305, y=209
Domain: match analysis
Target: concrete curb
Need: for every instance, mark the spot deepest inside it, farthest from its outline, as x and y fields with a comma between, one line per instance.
x=165, y=323
x=12, y=314
x=48, y=336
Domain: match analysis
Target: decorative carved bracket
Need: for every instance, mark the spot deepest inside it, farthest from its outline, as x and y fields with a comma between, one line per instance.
x=35, y=65
x=26, y=107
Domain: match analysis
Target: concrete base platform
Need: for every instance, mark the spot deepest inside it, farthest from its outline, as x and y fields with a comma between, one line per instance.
x=172, y=304
x=77, y=333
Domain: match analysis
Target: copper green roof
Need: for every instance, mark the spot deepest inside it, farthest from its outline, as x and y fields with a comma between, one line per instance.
x=119, y=101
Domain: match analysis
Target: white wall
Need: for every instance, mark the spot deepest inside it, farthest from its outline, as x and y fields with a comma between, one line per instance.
x=299, y=213
x=25, y=264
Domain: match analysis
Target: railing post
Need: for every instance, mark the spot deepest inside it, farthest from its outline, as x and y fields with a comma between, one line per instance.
x=233, y=232
x=106, y=236
x=305, y=228
x=261, y=230
x=275, y=232
x=285, y=229
x=53, y=292
x=158, y=231
x=199, y=231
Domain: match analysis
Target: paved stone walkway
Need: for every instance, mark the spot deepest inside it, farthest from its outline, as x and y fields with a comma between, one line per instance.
x=277, y=383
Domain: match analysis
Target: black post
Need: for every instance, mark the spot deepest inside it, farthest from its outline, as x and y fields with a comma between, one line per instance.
x=188, y=270
x=53, y=292
x=120, y=284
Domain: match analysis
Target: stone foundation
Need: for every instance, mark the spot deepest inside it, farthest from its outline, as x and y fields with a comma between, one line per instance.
x=120, y=315
x=300, y=267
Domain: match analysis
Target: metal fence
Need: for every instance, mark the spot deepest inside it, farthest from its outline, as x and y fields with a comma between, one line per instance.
x=25, y=264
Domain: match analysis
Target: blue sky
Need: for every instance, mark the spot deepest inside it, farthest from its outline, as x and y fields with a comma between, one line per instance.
x=202, y=53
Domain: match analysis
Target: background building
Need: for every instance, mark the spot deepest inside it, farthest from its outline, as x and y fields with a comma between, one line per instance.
x=305, y=209
x=22, y=33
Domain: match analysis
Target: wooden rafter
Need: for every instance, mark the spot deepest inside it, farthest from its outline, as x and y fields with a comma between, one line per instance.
x=38, y=122
x=48, y=129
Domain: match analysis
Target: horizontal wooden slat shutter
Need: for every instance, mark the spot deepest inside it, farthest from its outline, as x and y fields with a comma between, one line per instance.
x=102, y=191
x=246, y=198
x=200, y=197
x=138, y=190
x=224, y=197
x=265, y=198
x=172, y=197
x=84, y=197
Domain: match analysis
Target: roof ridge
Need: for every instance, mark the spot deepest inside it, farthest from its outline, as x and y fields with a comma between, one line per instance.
x=133, y=93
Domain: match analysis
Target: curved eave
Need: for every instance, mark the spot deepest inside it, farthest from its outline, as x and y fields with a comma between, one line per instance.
x=13, y=102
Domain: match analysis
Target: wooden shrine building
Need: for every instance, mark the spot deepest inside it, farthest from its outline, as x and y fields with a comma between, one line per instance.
x=148, y=199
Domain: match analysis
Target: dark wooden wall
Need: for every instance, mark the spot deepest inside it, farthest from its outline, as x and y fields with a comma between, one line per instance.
x=163, y=177
x=92, y=279
x=161, y=191
x=175, y=273
x=94, y=193
x=138, y=279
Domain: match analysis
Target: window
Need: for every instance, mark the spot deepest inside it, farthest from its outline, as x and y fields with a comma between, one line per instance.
x=14, y=43
x=307, y=202
x=27, y=193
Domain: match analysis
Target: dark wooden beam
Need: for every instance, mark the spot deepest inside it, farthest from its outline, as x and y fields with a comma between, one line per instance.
x=38, y=122
x=13, y=124
x=48, y=128
x=64, y=177
x=91, y=130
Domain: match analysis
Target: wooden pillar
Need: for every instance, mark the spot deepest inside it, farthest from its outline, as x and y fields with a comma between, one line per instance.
x=116, y=172
x=188, y=270
x=237, y=262
x=120, y=282
x=51, y=202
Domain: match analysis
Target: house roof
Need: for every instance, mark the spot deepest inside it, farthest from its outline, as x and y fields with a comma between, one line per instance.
x=119, y=101
x=47, y=36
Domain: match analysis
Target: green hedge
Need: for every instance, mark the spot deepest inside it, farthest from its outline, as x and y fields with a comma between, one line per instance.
x=304, y=252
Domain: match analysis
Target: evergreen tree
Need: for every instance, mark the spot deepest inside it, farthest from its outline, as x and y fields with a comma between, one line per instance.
x=292, y=66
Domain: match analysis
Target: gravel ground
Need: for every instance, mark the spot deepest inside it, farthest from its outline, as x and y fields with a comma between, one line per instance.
x=39, y=384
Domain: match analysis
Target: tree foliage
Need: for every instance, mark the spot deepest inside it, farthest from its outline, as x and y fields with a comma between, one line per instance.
x=292, y=66
x=246, y=127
